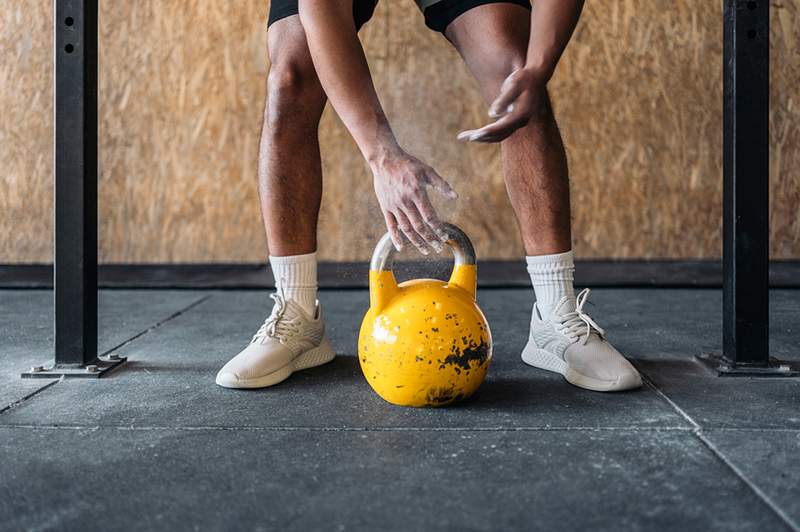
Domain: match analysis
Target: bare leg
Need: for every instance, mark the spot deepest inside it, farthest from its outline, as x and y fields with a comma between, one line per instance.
x=493, y=39
x=290, y=187
x=289, y=168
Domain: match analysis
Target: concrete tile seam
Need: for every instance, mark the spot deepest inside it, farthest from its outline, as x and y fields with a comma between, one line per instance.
x=747, y=482
x=698, y=432
x=707, y=430
x=346, y=429
x=774, y=430
x=158, y=324
x=33, y=393
x=680, y=411
x=119, y=346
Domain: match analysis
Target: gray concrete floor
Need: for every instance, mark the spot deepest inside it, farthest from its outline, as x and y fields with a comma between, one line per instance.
x=157, y=445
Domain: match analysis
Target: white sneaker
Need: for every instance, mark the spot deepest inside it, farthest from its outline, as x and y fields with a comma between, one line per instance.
x=572, y=344
x=289, y=340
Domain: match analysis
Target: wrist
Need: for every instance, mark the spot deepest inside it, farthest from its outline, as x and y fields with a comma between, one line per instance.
x=538, y=72
x=380, y=152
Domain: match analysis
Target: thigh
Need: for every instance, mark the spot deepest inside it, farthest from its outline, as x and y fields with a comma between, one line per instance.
x=440, y=13
x=287, y=43
x=493, y=40
x=280, y=9
x=295, y=94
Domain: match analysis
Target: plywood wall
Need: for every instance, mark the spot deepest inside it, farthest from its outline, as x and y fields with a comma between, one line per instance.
x=638, y=96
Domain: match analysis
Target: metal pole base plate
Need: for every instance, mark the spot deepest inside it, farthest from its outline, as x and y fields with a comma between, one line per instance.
x=721, y=367
x=100, y=367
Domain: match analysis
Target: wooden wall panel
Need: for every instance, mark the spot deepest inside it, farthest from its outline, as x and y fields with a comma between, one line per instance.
x=638, y=96
x=26, y=131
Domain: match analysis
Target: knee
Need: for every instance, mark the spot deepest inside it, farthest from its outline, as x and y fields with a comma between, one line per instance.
x=293, y=90
x=509, y=65
x=497, y=74
x=501, y=65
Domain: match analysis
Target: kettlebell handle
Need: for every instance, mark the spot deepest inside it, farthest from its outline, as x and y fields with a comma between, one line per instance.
x=459, y=242
x=464, y=273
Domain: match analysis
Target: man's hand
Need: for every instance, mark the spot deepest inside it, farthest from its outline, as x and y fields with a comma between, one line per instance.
x=401, y=180
x=522, y=96
x=401, y=183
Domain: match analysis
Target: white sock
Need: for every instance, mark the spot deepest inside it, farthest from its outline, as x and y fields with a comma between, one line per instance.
x=552, y=277
x=296, y=278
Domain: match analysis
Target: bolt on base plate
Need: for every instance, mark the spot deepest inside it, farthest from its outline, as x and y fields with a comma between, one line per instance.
x=722, y=367
x=97, y=369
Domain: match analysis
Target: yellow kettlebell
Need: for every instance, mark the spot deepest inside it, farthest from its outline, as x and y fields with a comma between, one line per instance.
x=424, y=342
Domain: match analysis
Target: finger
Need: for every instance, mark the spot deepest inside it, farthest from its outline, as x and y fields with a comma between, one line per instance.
x=493, y=128
x=422, y=228
x=494, y=132
x=493, y=137
x=430, y=217
x=512, y=87
x=490, y=139
x=479, y=135
x=394, y=232
x=468, y=134
x=482, y=136
x=405, y=226
x=440, y=184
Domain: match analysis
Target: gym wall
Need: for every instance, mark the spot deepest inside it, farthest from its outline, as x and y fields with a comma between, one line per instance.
x=182, y=82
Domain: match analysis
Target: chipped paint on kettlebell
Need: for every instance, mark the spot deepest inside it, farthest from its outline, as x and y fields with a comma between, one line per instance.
x=426, y=342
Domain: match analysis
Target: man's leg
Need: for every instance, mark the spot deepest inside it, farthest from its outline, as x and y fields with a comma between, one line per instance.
x=493, y=40
x=289, y=168
x=290, y=188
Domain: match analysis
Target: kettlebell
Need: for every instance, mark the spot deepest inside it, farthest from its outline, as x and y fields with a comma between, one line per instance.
x=424, y=342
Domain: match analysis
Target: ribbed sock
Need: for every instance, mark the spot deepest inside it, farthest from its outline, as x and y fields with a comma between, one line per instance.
x=551, y=276
x=296, y=279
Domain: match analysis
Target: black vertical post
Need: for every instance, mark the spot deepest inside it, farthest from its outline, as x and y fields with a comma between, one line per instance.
x=746, y=183
x=75, y=147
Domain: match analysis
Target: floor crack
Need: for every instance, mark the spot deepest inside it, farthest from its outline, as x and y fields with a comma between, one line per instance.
x=119, y=346
x=22, y=400
x=158, y=324
x=750, y=484
x=698, y=432
x=234, y=428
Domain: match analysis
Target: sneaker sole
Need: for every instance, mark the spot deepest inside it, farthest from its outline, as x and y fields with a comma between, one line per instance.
x=542, y=359
x=322, y=354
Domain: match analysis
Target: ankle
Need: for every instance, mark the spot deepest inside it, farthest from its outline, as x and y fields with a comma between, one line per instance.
x=551, y=277
x=296, y=279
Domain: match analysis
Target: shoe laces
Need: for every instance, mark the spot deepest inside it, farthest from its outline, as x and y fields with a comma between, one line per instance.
x=277, y=325
x=577, y=324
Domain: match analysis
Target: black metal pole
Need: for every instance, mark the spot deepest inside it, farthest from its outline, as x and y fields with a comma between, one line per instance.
x=75, y=147
x=75, y=183
x=746, y=183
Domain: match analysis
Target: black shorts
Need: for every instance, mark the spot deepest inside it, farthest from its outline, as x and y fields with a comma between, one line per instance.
x=438, y=14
